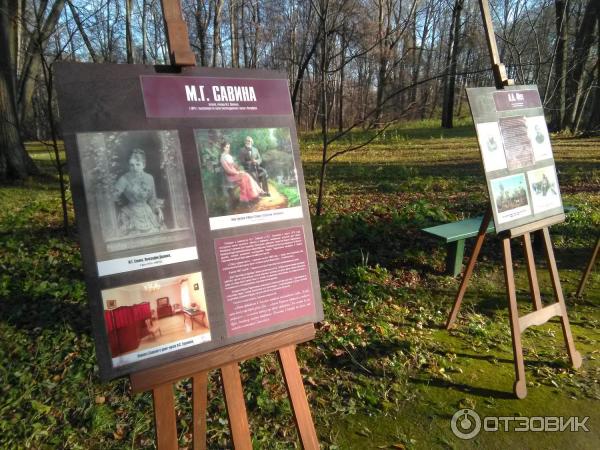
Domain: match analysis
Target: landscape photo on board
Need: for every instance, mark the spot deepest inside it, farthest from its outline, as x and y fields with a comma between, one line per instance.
x=149, y=319
x=510, y=197
x=136, y=194
x=248, y=175
x=545, y=194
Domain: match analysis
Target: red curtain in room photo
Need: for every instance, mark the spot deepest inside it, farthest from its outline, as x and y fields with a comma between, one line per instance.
x=125, y=327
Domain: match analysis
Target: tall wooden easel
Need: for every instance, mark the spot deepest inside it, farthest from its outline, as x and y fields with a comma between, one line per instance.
x=541, y=314
x=160, y=380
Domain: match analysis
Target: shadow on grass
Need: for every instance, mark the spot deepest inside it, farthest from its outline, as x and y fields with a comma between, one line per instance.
x=429, y=130
x=46, y=181
x=45, y=289
x=28, y=314
x=358, y=358
x=397, y=172
x=461, y=387
x=493, y=360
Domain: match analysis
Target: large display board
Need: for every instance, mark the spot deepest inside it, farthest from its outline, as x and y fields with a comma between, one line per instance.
x=516, y=153
x=191, y=209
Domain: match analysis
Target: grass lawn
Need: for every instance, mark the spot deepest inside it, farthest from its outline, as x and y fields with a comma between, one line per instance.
x=382, y=372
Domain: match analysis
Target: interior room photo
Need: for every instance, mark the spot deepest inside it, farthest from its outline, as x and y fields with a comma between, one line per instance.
x=145, y=315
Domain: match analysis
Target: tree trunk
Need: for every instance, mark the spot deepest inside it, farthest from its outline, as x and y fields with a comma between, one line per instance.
x=593, y=120
x=426, y=94
x=203, y=17
x=560, y=74
x=418, y=55
x=85, y=37
x=383, y=36
x=49, y=82
x=324, y=114
x=128, y=34
x=299, y=107
x=233, y=13
x=144, y=36
x=582, y=50
x=302, y=69
x=450, y=78
x=15, y=162
x=341, y=90
x=216, y=31
x=32, y=63
x=244, y=35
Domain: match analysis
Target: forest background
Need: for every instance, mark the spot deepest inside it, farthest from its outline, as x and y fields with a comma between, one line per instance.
x=377, y=88
x=350, y=63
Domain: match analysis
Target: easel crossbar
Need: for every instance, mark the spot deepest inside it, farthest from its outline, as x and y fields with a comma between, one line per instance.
x=539, y=317
x=531, y=227
x=269, y=343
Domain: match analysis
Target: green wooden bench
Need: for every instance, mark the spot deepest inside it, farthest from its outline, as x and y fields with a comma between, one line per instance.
x=454, y=235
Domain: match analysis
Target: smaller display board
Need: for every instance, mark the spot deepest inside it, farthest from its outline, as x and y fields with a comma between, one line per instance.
x=516, y=153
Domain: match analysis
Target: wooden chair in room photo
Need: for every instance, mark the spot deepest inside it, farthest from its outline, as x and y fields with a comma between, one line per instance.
x=152, y=327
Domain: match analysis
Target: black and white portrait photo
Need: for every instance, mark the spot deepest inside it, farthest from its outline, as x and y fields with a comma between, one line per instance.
x=137, y=199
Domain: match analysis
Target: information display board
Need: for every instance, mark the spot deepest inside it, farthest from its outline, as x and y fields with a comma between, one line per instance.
x=191, y=208
x=516, y=153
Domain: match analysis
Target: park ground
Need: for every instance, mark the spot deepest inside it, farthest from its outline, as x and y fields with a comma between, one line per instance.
x=382, y=372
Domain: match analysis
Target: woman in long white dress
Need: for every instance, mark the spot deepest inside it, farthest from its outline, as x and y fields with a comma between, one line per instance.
x=143, y=211
x=249, y=189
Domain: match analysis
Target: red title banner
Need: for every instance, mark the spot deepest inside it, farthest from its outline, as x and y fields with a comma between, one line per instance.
x=508, y=100
x=188, y=97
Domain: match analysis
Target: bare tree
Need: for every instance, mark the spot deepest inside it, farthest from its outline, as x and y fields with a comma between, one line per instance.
x=560, y=74
x=451, y=60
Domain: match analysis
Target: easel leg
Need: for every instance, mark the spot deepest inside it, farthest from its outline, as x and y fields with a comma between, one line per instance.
x=469, y=269
x=519, y=388
x=532, y=273
x=199, y=407
x=164, y=417
x=295, y=388
x=588, y=269
x=236, y=408
x=574, y=355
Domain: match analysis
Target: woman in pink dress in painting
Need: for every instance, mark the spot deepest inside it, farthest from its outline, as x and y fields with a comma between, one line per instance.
x=249, y=189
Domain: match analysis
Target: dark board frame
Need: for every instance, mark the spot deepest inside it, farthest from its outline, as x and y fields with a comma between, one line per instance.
x=108, y=98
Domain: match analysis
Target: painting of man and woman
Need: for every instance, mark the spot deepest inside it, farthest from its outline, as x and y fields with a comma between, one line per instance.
x=247, y=170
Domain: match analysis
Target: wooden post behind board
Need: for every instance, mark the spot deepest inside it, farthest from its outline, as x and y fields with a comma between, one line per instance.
x=160, y=380
x=541, y=314
x=178, y=42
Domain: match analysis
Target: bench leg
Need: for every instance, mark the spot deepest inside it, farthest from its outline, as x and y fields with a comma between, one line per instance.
x=454, y=257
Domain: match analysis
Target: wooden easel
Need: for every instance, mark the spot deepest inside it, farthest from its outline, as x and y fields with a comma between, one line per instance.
x=588, y=269
x=160, y=380
x=541, y=314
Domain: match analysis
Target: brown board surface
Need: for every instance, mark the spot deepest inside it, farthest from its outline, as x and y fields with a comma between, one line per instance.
x=191, y=208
